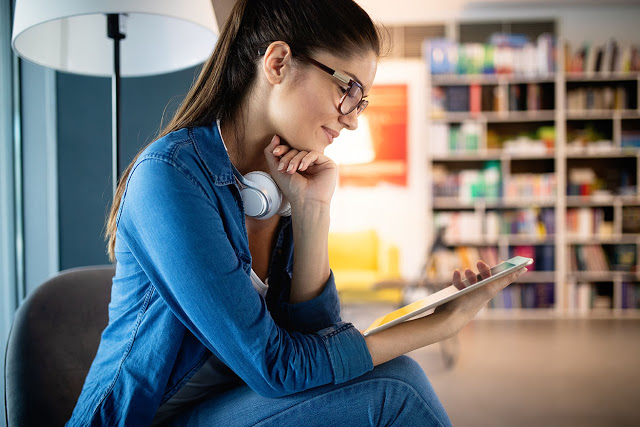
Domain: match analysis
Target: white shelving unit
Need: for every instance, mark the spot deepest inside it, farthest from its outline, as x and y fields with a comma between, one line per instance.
x=563, y=157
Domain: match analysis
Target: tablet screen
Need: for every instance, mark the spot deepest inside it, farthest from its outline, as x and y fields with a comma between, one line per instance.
x=445, y=295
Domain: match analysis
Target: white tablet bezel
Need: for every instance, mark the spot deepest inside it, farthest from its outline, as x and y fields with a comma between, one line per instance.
x=443, y=296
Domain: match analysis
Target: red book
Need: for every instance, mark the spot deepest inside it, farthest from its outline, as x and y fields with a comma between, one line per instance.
x=528, y=252
x=475, y=99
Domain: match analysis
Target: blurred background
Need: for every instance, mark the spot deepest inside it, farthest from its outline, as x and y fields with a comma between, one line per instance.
x=494, y=129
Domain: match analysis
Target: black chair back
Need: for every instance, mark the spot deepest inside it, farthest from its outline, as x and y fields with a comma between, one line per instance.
x=52, y=343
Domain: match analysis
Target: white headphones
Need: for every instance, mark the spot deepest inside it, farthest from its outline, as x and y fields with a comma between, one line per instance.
x=260, y=194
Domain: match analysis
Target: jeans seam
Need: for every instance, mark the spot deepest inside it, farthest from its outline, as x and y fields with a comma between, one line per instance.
x=353, y=386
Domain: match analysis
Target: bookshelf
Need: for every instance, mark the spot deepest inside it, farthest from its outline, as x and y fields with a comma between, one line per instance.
x=540, y=160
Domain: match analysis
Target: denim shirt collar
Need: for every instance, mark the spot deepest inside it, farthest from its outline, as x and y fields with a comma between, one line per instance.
x=210, y=147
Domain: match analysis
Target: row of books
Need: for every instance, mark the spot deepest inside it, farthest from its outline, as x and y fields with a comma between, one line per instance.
x=525, y=295
x=530, y=222
x=631, y=219
x=468, y=185
x=445, y=261
x=630, y=295
x=588, y=222
x=587, y=296
x=630, y=139
x=531, y=185
x=446, y=139
x=466, y=225
x=600, y=98
x=603, y=59
x=603, y=258
x=543, y=256
x=616, y=179
x=504, y=54
x=475, y=98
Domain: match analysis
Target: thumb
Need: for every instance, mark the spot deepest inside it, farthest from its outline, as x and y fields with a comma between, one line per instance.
x=272, y=159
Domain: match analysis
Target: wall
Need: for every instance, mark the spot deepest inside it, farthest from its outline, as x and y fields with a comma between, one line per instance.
x=7, y=230
x=84, y=150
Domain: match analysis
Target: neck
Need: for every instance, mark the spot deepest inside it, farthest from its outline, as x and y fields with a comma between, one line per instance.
x=246, y=136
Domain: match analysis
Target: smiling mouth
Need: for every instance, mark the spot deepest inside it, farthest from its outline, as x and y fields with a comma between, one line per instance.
x=332, y=134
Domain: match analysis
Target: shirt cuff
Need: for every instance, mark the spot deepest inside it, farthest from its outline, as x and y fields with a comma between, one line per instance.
x=348, y=352
x=317, y=313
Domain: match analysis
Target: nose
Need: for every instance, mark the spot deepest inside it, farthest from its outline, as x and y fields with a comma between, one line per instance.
x=350, y=120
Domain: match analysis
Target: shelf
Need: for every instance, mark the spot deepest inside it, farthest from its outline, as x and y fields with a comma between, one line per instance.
x=602, y=114
x=495, y=117
x=522, y=203
x=504, y=239
x=602, y=200
x=603, y=276
x=488, y=79
x=559, y=166
x=603, y=240
x=600, y=153
x=529, y=277
x=471, y=156
x=599, y=77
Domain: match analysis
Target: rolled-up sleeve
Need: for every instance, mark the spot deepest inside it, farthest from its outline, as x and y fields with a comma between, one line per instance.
x=176, y=233
x=315, y=314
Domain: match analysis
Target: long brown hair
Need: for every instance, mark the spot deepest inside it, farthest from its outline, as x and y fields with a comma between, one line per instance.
x=340, y=27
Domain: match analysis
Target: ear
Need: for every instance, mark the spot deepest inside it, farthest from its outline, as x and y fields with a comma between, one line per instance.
x=277, y=61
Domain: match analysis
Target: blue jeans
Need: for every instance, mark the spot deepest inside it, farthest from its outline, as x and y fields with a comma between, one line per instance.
x=394, y=393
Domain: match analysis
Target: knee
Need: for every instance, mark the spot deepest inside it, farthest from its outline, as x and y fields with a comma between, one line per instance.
x=405, y=370
x=405, y=392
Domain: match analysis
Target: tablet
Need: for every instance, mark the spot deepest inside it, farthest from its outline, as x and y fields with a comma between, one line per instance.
x=445, y=295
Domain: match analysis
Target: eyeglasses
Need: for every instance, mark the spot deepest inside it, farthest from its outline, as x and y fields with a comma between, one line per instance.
x=353, y=98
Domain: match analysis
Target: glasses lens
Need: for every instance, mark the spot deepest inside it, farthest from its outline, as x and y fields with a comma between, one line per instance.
x=351, y=99
x=362, y=106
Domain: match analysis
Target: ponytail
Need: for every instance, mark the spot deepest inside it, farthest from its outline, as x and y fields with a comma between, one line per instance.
x=337, y=26
x=195, y=110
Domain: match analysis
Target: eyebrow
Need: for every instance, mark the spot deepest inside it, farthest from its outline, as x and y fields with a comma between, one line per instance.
x=353, y=76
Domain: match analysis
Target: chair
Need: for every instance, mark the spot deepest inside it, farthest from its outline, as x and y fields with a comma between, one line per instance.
x=52, y=343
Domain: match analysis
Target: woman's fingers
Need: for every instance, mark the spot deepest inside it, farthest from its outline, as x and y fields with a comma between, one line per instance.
x=484, y=269
x=471, y=276
x=308, y=160
x=457, y=278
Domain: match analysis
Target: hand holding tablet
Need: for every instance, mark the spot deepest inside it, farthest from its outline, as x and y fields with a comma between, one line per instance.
x=445, y=295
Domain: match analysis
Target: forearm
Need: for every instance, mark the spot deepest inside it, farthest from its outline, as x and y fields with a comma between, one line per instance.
x=408, y=336
x=311, y=255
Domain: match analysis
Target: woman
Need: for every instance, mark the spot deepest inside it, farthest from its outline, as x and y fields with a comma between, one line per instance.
x=218, y=320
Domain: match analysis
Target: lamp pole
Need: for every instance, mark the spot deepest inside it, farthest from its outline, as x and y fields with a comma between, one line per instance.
x=113, y=32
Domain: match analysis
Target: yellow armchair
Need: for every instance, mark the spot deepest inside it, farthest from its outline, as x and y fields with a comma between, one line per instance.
x=360, y=259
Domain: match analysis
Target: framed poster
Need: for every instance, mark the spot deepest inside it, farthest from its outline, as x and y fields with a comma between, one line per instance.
x=385, y=122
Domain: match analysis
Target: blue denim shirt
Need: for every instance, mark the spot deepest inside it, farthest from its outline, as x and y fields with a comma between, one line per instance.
x=182, y=291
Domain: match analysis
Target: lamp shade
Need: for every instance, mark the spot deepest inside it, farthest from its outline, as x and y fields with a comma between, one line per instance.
x=71, y=35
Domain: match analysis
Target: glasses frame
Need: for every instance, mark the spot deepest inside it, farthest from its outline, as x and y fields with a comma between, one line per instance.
x=360, y=105
x=344, y=79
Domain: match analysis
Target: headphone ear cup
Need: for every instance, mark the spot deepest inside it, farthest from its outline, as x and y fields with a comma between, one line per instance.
x=265, y=199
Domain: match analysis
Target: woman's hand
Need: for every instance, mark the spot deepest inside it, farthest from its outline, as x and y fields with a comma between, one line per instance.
x=463, y=309
x=301, y=175
x=447, y=320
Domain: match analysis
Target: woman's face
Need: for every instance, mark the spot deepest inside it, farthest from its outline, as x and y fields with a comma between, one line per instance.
x=305, y=113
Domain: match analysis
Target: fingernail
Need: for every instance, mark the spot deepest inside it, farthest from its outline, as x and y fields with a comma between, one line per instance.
x=274, y=137
x=290, y=168
x=300, y=166
x=277, y=150
x=281, y=166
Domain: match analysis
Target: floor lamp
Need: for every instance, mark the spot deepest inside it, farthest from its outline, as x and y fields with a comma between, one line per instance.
x=117, y=38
